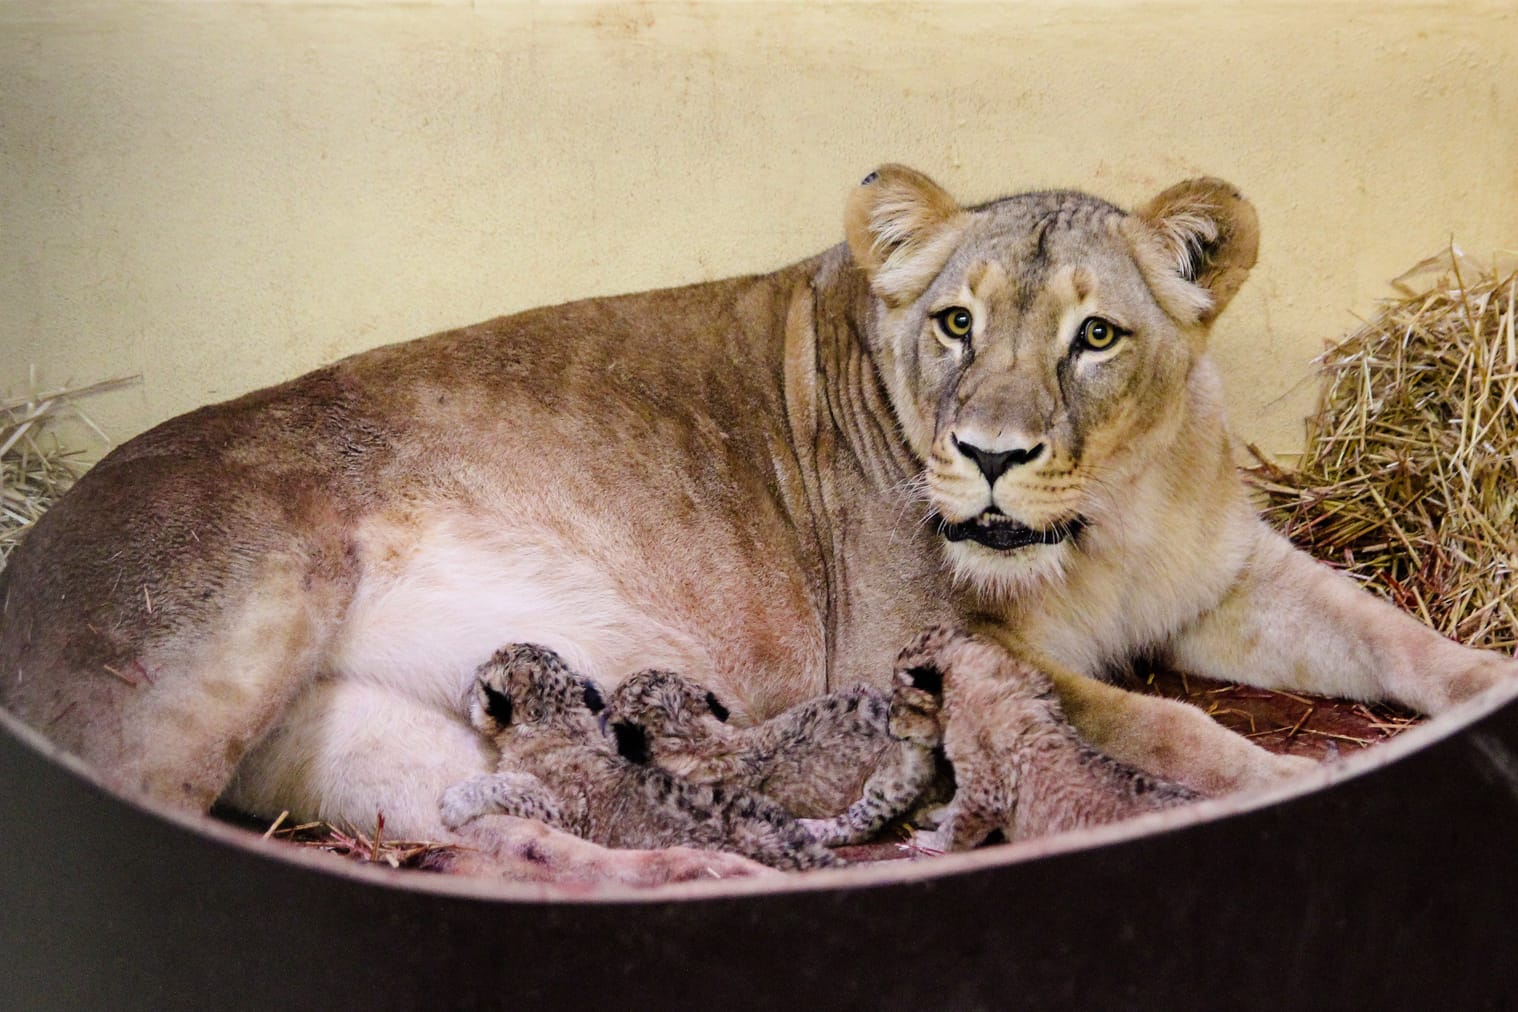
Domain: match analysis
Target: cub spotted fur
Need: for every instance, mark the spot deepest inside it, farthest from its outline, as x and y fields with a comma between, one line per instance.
x=556, y=766
x=1019, y=766
x=1003, y=414
x=847, y=762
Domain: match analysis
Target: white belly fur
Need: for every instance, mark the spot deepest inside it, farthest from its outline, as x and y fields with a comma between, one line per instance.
x=385, y=723
x=422, y=622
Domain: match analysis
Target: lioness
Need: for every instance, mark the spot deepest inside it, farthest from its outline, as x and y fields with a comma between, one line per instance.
x=1003, y=414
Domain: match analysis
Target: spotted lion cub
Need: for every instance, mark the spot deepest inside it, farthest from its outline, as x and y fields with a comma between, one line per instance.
x=847, y=762
x=558, y=767
x=1019, y=765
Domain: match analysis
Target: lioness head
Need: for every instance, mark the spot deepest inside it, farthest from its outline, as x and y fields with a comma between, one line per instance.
x=1037, y=349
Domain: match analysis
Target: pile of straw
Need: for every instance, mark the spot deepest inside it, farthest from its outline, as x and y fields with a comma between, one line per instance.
x=34, y=471
x=1410, y=477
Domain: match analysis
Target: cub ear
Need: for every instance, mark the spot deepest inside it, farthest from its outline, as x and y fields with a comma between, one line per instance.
x=715, y=705
x=1200, y=240
x=901, y=227
x=497, y=705
x=593, y=699
x=632, y=742
x=925, y=677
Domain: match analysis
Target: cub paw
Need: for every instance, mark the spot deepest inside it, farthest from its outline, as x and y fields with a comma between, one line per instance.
x=930, y=817
x=827, y=832
x=463, y=802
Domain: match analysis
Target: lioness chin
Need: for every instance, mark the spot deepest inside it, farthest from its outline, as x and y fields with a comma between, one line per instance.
x=1002, y=415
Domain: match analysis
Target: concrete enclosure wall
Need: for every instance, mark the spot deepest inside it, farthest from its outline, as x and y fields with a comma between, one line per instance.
x=221, y=195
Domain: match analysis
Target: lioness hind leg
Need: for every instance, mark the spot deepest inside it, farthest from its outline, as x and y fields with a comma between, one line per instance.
x=512, y=849
x=169, y=712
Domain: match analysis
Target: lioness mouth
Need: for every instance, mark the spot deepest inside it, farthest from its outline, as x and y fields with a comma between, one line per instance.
x=1000, y=532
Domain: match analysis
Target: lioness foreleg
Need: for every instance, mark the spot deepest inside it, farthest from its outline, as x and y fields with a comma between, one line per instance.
x=1167, y=738
x=1293, y=623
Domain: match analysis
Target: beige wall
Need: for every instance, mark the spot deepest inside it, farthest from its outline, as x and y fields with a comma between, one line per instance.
x=220, y=195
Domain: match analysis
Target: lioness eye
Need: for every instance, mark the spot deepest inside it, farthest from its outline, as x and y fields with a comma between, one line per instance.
x=955, y=322
x=1097, y=334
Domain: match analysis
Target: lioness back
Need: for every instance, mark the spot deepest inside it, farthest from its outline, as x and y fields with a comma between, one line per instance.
x=608, y=476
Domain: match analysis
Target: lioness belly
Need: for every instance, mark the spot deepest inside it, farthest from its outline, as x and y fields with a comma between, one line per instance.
x=437, y=598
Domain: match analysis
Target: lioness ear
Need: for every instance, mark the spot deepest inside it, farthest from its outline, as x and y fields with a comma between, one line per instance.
x=1202, y=238
x=901, y=227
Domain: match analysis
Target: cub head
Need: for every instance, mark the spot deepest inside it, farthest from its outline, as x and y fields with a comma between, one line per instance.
x=525, y=688
x=1041, y=351
x=654, y=712
x=947, y=656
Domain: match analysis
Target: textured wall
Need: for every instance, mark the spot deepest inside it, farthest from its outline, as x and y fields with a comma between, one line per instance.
x=220, y=195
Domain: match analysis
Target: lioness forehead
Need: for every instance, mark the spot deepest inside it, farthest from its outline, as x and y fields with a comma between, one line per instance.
x=1019, y=243
x=1047, y=211
x=1041, y=224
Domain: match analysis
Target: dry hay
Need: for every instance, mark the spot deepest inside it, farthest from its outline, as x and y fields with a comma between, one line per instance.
x=34, y=470
x=366, y=848
x=1409, y=482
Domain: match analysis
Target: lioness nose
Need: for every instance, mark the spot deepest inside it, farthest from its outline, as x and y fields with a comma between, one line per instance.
x=993, y=464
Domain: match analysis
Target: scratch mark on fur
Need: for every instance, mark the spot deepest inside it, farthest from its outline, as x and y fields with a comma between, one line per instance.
x=123, y=676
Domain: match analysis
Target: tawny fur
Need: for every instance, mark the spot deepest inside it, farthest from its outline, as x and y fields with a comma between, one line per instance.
x=847, y=762
x=765, y=482
x=558, y=767
x=1019, y=765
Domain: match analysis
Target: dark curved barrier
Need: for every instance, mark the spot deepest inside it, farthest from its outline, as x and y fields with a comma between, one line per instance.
x=1391, y=888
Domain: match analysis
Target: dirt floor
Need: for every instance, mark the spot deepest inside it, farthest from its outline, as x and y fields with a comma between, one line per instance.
x=1286, y=722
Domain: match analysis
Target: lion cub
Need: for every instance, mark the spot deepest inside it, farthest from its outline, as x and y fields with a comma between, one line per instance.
x=1019, y=765
x=814, y=760
x=558, y=767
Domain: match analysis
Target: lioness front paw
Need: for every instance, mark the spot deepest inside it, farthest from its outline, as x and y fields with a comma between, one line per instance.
x=1490, y=669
